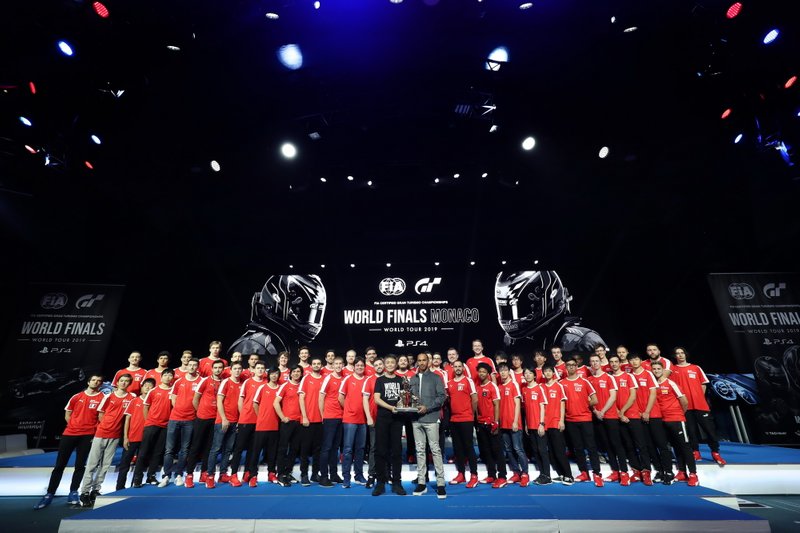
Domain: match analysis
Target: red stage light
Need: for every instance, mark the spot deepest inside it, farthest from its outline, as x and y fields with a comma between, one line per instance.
x=32, y=87
x=101, y=10
x=726, y=113
x=88, y=165
x=30, y=149
x=791, y=81
x=734, y=10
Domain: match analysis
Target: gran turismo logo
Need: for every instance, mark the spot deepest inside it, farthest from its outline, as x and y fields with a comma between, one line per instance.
x=88, y=300
x=773, y=290
x=425, y=285
x=53, y=300
x=741, y=291
x=392, y=286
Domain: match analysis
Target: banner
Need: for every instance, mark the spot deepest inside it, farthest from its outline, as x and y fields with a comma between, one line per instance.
x=60, y=336
x=760, y=313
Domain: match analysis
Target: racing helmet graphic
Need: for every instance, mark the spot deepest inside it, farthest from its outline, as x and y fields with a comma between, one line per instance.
x=529, y=300
x=295, y=302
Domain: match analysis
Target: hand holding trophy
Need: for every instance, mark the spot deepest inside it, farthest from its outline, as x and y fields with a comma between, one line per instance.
x=408, y=403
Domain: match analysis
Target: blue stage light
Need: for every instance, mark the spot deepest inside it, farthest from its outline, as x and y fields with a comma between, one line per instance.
x=96, y=139
x=770, y=37
x=496, y=58
x=738, y=139
x=25, y=121
x=65, y=48
x=290, y=56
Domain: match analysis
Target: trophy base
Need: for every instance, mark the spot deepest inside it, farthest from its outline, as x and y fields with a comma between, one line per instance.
x=406, y=409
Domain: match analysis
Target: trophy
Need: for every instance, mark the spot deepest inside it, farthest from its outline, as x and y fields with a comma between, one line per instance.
x=408, y=403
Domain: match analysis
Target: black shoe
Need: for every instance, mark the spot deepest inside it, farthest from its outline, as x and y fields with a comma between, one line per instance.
x=379, y=489
x=543, y=480
x=151, y=480
x=304, y=481
x=336, y=478
x=292, y=479
x=658, y=477
x=567, y=480
x=120, y=488
x=419, y=490
x=441, y=493
x=667, y=478
x=315, y=478
x=285, y=481
x=370, y=482
x=94, y=494
x=86, y=500
x=137, y=485
x=325, y=483
x=398, y=489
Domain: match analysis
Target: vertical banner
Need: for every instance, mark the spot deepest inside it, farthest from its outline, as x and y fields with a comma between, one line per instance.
x=761, y=316
x=60, y=335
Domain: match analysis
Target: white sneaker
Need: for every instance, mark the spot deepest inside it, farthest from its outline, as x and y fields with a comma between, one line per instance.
x=164, y=482
x=179, y=481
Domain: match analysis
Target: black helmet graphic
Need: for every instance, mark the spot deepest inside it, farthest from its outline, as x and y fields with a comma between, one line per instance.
x=295, y=302
x=528, y=301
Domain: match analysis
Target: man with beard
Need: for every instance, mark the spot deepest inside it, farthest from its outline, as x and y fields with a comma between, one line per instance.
x=463, y=406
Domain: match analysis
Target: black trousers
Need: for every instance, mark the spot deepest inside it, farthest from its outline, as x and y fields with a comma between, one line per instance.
x=388, y=447
x=582, y=436
x=202, y=434
x=411, y=447
x=635, y=442
x=310, y=446
x=679, y=438
x=696, y=420
x=658, y=447
x=539, y=451
x=491, y=449
x=80, y=444
x=125, y=463
x=267, y=441
x=243, y=442
x=609, y=428
x=461, y=433
x=558, y=452
x=288, y=446
x=151, y=452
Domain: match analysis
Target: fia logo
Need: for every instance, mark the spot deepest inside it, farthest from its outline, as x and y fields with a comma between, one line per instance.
x=741, y=291
x=88, y=300
x=773, y=290
x=392, y=286
x=53, y=300
x=425, y=285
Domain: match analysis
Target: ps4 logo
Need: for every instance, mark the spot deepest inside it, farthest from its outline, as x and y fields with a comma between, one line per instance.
x=426, y=285
x=405, y=344
x=773, y=290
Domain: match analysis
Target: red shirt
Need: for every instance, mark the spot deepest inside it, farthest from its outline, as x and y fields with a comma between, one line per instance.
x=352, y=388
x=135, y=411
x=207, y=407
x=626, y=367
x=267, y=416
x=325, y=371
x=136, y=382
x=532, y=399
x=113, y=409
x=229, y=390
x=206, y=363
x=578, y=391
x=159, y=407
x=330, y=389
x=561, y=369
x=369, y=392
x=626, y=382
x=582, y=371
x=346, y=372
x=460, y=390
x=473, y=362
x=508, y=392
x=555, y=396
x=285, y=376
x=183, y=392
x=667, y=396
x=247, y=392
x=247, y=373
x=487, y=394
x=691, y=378
x=603, y=385
x=646, y=381
x=406, y=373
x=519, y=378
x=83, y=420
x=179, y=374
x=290, y=401
x=156, y=375
x=647, y=364
x=369, y=371
x=451, y=373
x=309, y=392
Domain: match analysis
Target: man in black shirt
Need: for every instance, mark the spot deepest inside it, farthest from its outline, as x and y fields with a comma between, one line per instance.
x=388, y=428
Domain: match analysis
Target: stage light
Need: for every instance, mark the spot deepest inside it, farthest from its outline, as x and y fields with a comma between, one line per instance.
x=516, y=182
x=25, y=121
x=503, y=262
x=738, y=139
x=350, y=178
x=528, y=143
x=95, y=139
x=288, y=150
x=369, y=183
x=388, y=264
x=536, y=262
x=88, y=165
x=173, y=48
x=496, y=58
x=215, y=166
x=272, y=16
x=290, y=56
x=791, y=81
x=317, y=4
x=436, y=180
x=485, y=175
x=396, y=1
x=613, y=20
x=770, y=37
x=323, y=180
x=323, y=266
x=436, y=263
x=31, y=149
x=101, y=10
x=725, y=114
x=603, y=152
x=492, y=128
x=456, y=175
x=734, y=10
x=630, y=29
x=32, y=87
x=65, y=48
x=352, y=265
x=291, y=266
x=526, y=5
x=472, y=263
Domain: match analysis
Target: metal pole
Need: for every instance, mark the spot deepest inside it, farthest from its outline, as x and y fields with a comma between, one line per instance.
x=735, y=423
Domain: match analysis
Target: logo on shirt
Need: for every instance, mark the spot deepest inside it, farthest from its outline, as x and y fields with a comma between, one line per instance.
x=578, y=387
x=392, y=391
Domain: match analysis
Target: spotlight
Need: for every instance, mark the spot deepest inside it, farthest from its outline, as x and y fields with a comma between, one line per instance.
x=503, y=262
x=485, y=175
x=215, y=166
x=369, y=183
x=396, y=1
x=738, y=139
x=436, y=263
x=388, y=264
x=492, y=128
x=173, y=48
x=317, y=4
x=101, y=10
x=25, y=121
x=323, y=180
x=88, y=165
x=436, y=180
x=272, y=16
x=65, y=48
x=291, y=266
x=95, y=139
x=456, y=175
x=31, y=149
x=352, y=265
x=770, y=37
x=496, y=58
x=630, y=29
x=734, y=10
x=472, y=263
x=603, y=152
x=288, y=150
x=613, y=20
x=725, y=114
x=791, y=81
x=290, y=56
x=528, y=143
x=350, y=178
x=32, y=87
x=526, y=5
x=536, y=262
x=323, y=266
x=516, y=182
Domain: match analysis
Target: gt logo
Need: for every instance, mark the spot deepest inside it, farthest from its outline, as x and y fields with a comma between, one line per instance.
x=88, y=300
x=426, y=285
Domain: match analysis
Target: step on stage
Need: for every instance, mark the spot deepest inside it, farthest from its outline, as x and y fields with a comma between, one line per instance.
x=552, y=508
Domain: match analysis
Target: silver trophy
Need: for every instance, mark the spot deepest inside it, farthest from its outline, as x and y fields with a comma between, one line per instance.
x=408, y=403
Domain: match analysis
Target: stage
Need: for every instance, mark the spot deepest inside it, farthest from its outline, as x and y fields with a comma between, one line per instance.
x=711, y=507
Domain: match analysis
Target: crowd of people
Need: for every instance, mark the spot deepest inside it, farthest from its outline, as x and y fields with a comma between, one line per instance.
x=230, y=417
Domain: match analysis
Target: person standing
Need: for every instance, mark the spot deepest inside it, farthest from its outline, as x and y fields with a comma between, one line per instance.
x=463, y=408
x=133, y=428
x=225, y=425
x=156, y=409
x=477, y=358
x=354, y=425
x=82, y=418
x=287, y=406
x=388, y=429
x=332, y=413
x=267, y=423
x=246, y=427
x=371, y=414
x=511, y=426
x=181, y=424
x=311, y=432
x=555, y=424
x=488, y=428
x=137, y=373
x=429, y=389
x=631, y=428
x=205, y=403
x=606, y=419
x=534, y=401
x=162, y=363
x=650, y=413
x=205, y=364
x=581, y=397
